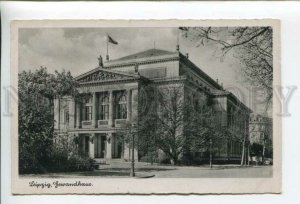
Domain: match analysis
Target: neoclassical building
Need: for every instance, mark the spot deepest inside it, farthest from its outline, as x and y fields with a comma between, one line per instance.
x=113, y=87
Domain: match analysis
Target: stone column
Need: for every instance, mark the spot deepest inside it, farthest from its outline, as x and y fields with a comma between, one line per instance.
x=56, y=114
x=136, y=159
x=109, y=141
x=126, y=155
x=111, y=109
x=78, y=115
x=76, y=150
x=129, y=103
x=91, y=146
x=94, y=120
x=134, y=103
x=72, y=110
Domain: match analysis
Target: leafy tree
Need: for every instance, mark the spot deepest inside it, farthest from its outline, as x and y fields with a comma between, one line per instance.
x=36, y=91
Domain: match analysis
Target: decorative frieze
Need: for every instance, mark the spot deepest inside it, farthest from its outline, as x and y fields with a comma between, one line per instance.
x=101, y=76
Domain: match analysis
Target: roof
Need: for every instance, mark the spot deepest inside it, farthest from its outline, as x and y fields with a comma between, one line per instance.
x=146, y=54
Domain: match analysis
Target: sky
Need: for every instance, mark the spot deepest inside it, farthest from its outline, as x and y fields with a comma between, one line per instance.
x=77, y=49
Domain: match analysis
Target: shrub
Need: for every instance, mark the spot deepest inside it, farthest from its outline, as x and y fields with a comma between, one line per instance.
x=79, y=163
x=61, y=161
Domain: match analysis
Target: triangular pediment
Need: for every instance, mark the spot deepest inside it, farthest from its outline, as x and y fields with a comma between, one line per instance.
x=102, y=75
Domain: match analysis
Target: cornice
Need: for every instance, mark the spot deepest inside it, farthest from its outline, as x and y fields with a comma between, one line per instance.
x=112, y=82
x=169, y=80
x=151, y=61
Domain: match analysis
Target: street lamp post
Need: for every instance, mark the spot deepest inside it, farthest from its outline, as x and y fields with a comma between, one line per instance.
x=210, y=153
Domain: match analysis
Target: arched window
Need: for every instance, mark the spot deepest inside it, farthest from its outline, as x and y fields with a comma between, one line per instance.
x=104, y=107
x=121, y=107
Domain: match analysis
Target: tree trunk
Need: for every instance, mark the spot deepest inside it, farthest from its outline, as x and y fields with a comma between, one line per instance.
x=249, y=156
x=174, y=161
x=244, y=144
x=243, y=154
x=263, y=152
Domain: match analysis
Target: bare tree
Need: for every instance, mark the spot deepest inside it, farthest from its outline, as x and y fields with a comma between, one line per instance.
x=170, y=122
x=184, y=126
x=252, y=46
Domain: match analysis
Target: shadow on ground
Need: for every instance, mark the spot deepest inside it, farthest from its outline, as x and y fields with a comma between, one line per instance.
x=150, y=169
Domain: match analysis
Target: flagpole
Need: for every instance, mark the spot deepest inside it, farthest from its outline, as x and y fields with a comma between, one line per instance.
x=177, y=46
x=107, y=57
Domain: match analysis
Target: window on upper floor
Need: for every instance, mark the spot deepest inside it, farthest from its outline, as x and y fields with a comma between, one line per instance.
x=88, y=109
x=67, y=117
x=104, y=107
x=121, y=106
x=87, y=113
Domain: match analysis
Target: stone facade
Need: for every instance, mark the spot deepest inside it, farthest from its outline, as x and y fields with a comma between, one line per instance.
x=260, y=133
x=113, y=88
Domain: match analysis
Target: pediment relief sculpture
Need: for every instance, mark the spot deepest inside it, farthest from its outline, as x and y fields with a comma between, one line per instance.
x=101, y=76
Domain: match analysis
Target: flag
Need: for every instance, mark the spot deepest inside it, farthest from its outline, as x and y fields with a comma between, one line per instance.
x=111, y=40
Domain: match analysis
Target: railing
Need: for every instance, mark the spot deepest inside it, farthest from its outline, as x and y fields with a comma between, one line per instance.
x=120, y=122
x=86, y=124
x=102, y=123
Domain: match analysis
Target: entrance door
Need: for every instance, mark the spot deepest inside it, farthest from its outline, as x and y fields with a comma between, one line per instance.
x=84, y=145
x=87, y=146
x=100, y=145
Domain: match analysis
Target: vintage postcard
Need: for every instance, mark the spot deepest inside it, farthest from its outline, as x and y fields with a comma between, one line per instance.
x=145, y=106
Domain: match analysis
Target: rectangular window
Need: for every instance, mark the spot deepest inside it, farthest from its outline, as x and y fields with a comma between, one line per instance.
x=121, y=112
x=67, y=117
x=88, y=113
x=104, y=112
x=121, y=106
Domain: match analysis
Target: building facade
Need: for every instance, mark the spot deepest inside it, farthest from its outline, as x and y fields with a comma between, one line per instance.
x=261, y=136
x=113, y=88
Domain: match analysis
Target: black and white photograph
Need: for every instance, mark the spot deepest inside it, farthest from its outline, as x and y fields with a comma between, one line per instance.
x=143, y=103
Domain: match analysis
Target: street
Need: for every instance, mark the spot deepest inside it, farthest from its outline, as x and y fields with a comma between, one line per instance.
x=145, y=170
